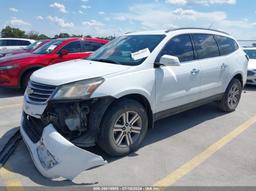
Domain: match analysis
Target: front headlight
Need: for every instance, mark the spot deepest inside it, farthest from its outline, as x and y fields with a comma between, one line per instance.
x=81, y=89
x=9, y=67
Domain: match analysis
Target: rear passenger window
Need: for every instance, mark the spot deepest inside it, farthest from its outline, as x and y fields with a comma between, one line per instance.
x=90, y=46
x=73, y=47
x=24, y=43
x=180, y=47
x=226, y=45
x=9, y=43
x=205, y=46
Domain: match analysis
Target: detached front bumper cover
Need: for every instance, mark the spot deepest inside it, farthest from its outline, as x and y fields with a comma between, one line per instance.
x=54, y=156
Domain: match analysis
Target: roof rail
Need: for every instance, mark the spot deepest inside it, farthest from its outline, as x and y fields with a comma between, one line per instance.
x=171, y=30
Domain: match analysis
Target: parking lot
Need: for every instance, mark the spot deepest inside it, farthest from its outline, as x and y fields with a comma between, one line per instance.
x=201, y=147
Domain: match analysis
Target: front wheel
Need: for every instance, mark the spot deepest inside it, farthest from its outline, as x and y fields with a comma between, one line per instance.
x=123, y=128
x=232, y=96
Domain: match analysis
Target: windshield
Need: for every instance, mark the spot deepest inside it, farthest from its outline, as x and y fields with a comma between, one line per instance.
x=33, y=45
x=48, y=47
x=127, y=50
x=251, y=53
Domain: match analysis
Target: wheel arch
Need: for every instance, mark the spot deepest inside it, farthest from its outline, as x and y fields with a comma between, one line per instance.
x=144, y=101
x=27, y=70
x=239, y=77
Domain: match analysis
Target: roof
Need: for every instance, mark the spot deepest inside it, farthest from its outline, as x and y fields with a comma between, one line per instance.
x=197, y=28
x=97, y=40
x=31, y=40
x=169, y=31
x=155, y=32
x=85, y=39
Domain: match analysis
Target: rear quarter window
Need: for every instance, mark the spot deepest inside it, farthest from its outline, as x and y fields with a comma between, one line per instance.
x=226, y=45
x=24, y=43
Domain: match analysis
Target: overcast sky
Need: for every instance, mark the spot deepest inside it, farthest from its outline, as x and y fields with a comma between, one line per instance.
x=114, y=17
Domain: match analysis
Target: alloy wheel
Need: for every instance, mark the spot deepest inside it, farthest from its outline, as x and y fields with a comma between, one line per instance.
x=233, y=96
x=127, y=128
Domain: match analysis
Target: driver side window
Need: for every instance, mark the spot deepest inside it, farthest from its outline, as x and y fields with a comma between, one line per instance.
x=73, y=47
x=181, y=47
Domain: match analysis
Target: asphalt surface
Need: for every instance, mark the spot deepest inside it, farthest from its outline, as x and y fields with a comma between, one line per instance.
x=173, y=142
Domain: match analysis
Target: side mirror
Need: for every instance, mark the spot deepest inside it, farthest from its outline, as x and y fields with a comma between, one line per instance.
x=169, y=60
x=63, y=52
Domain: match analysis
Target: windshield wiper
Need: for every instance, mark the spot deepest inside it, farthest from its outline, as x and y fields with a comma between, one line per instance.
x=106, y=60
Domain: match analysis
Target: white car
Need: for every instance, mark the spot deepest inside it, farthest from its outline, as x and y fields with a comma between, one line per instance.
x=114, y=96
x=251, y=52
x=14, y=43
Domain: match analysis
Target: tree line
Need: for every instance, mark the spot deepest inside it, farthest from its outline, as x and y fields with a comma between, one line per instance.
x=10, y=32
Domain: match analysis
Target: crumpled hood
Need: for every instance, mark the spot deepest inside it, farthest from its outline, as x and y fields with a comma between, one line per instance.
x=17, y=57
x=252, y=64
x=75, y=70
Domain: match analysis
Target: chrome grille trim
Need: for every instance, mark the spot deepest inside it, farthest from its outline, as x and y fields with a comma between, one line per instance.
x=39, y=93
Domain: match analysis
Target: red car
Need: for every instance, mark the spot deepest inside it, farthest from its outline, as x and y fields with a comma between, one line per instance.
x=30, y=48
x=16, y=70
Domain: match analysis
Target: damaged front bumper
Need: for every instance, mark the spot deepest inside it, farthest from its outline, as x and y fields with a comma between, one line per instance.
x=55, y=143
x=54, y=156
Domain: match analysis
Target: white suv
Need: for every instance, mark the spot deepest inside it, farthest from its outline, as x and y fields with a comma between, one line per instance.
x=14, y=43
x=114, y=96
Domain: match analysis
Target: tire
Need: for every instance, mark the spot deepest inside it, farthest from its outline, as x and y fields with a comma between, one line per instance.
x=231, y=97
x=25, y=80
x=118, y=136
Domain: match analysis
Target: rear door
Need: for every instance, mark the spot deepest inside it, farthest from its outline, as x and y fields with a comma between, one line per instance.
x=230, y=59
x=211, y=64
x=88, y=47
x=178, y=85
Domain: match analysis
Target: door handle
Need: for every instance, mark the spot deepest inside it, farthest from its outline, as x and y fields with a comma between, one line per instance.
x=195, y=72
x=224, y=66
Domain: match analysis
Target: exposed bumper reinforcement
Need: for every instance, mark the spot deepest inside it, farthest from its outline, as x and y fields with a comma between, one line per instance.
x=54, y=156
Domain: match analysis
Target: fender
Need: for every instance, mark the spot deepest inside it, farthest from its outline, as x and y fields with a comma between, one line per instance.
x=232, y=77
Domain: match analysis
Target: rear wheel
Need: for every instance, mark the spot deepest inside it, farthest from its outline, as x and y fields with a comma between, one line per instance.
x=232, y=96
x=123, y=128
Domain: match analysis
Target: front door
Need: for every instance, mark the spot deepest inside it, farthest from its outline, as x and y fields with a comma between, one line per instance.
x=178, y=85
x=74, y=52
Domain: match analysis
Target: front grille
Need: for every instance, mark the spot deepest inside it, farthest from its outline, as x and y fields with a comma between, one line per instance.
x=39, y=93
x=250, y=73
